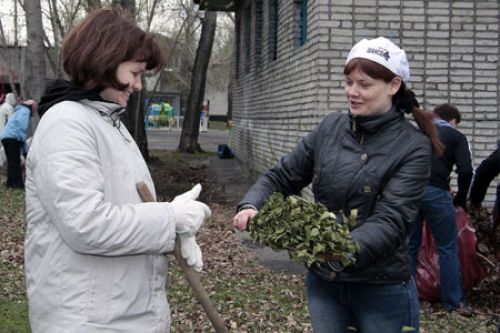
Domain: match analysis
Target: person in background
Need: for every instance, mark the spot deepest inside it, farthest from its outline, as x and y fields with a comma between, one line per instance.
x=94, y=252
x=6, y=109
x=437, y=206
x=487, y=170
x=13, y=139
x=374, y=160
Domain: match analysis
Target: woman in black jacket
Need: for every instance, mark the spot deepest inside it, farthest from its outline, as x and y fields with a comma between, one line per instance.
x=370, y=159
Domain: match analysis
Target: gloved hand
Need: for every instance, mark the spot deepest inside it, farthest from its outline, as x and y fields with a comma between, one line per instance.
x=189, y=213
x=192, y=194
x=191, y=252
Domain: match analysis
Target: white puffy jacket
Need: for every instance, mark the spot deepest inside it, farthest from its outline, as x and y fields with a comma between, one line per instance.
x=93, y=252
x=6, y=110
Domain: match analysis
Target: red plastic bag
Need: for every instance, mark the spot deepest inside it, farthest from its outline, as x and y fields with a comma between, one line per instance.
x=473, y=272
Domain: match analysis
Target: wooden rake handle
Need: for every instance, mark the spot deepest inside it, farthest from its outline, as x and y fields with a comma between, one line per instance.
x=191, y=276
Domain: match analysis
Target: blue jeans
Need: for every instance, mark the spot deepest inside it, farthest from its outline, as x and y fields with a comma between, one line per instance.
x=338, y=307
x=438, y=210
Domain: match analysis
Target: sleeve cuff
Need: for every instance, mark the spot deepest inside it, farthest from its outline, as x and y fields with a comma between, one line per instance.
x=170, y=244
x=247, y=206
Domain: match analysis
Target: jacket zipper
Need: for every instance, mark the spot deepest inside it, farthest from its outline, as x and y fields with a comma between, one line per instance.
x=355, y=130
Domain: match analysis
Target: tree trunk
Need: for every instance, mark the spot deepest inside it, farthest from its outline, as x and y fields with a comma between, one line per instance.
x=134, y=117
x=134, y=120
x=140, y=127
x=35, y=71
x=6, y=60
x=16, y=25
x=191, y=124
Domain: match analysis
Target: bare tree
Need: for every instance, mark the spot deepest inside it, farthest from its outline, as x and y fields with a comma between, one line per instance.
x=145, y=11
x=3, y=43
x=134, y=117
x=35, y=70
x=128, y=5
x=63, y=13
x=16, y=26
x=55, y=20
x=92, y=4
x=190, y=127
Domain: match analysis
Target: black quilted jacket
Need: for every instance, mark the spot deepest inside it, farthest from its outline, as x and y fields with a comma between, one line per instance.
x=379, y=165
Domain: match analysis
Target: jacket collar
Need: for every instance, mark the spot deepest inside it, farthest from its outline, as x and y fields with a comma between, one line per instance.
x=372, y=124
x=106, y=109
x=441, y=123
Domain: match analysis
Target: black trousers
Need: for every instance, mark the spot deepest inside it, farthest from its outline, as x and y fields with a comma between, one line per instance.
x=12, y=149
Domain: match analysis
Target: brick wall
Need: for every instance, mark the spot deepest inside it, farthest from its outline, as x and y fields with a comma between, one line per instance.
x=452, y=46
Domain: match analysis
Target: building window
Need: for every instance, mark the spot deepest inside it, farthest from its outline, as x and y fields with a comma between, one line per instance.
x=303, y=25
x=273, y=29
x=248, y=40
x=300, y=11
x=258, y=33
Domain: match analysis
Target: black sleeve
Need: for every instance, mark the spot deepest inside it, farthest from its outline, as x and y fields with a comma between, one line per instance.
x=464, y=170
x=290, y=175
x=487, y=170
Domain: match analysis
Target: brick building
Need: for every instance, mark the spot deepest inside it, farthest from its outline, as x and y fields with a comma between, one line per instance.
x=290, y=55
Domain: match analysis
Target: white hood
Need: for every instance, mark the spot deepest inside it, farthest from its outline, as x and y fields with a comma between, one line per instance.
x=11, y=99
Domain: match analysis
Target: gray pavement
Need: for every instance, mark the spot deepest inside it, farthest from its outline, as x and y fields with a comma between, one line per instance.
x=165, y=139
x=233, y=180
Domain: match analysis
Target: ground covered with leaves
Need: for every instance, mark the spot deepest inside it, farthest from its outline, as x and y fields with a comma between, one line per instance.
x=249, y=296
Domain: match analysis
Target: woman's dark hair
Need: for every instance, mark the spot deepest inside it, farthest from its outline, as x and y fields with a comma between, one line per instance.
x=404, y=99
x=93, y=49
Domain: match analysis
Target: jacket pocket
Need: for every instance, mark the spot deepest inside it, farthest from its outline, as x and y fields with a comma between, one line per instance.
x=369, y=192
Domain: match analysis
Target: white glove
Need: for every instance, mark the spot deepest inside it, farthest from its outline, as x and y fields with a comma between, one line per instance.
x=189, y=213
x=191, y=252
x=192, y=194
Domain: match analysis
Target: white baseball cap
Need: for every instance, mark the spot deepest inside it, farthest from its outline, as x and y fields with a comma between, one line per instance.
x=383, y=52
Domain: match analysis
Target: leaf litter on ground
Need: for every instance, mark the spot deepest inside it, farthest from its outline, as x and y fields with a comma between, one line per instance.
x=250, y=297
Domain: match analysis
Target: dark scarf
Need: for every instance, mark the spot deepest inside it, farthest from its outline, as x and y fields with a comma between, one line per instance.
x=62, y=90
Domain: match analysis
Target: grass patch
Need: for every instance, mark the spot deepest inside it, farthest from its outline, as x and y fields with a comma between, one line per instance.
x=13, y=304
x=12, y=206
x=14, y=317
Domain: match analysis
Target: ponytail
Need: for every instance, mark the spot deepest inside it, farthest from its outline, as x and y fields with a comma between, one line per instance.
x=405, y=101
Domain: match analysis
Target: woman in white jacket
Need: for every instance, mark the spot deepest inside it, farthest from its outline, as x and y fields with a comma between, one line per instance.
x=7, y=109
x=94, y=253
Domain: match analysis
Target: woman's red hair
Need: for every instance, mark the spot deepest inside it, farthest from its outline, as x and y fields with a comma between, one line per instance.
x=404, y=99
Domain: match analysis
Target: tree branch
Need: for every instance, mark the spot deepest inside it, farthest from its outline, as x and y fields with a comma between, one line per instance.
x=151, y=14
x=55, y=18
